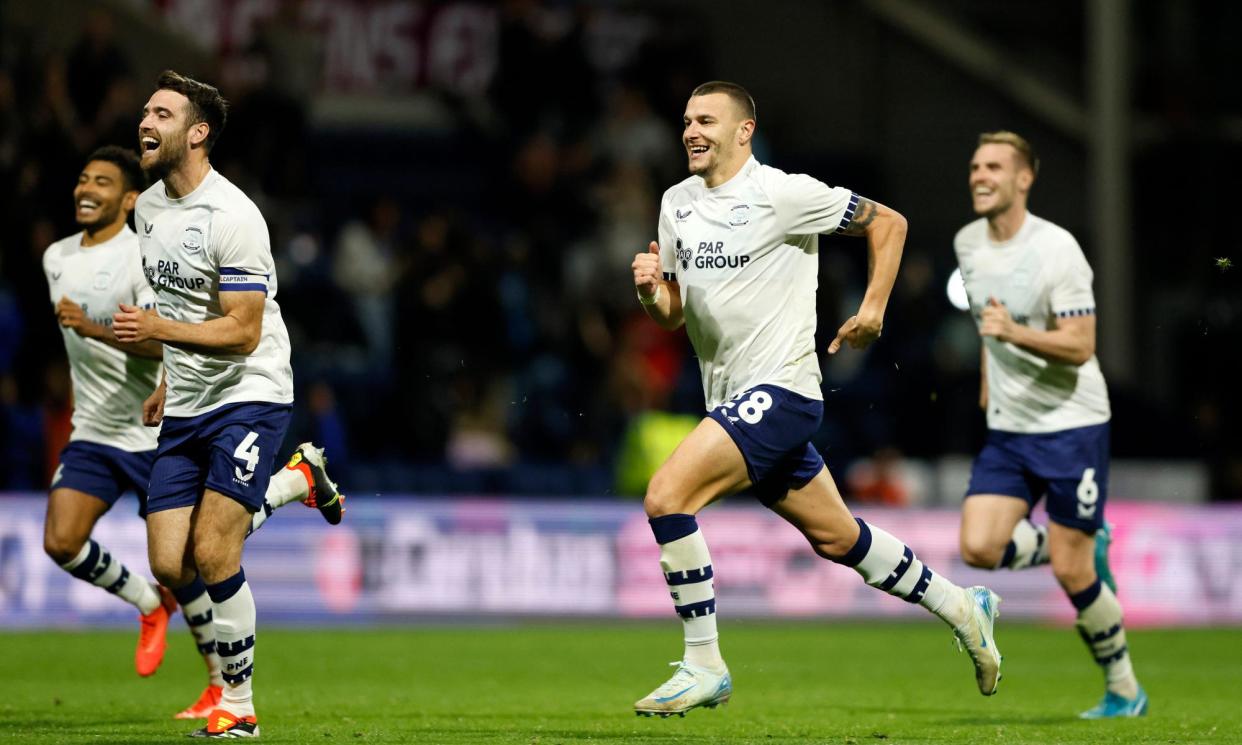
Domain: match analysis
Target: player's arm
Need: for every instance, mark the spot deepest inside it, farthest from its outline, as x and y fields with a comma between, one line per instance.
x=235, y=332
x=153, y=407
x=1071, y=341
x=983, y=377
x=661, y=298
x=885, y=231
x=71, y=316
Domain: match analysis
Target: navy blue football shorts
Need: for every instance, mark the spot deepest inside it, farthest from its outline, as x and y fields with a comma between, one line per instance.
x=104, y=471
x=232, y=450
x=773, y=428
x=1070, y=466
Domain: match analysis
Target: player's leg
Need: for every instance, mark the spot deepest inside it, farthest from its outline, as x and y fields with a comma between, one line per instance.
x=1077, y=468
x=303, y=479
x=71, y=515
x=705, y=466
x=219, y=531
x=885, y=562
x=996, y=531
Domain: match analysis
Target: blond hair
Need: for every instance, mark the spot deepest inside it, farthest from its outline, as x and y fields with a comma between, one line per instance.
x=1026, y=153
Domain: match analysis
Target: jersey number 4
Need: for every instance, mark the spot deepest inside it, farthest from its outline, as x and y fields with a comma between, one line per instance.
x=248, y=453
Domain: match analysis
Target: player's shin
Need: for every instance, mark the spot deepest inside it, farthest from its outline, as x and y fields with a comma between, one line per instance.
x=95, y=564
x=234, y=621
x=1028, y=547
x=1101, y=626
x=687, y=567
x=197, y=609
x=887, y=563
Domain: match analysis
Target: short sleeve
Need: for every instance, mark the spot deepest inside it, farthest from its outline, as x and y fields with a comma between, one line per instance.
x=51, y=271
x=244, y=252
x=807, y=206
x=667, y=238
x=1071, y=294
x=143, y=295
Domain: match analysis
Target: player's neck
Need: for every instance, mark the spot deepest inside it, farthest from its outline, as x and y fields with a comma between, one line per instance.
x=186, y=178
x=1006, y=225
x=102, y=235
x=725, y=172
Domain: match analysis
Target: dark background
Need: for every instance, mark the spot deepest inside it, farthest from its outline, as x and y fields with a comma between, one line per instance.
x=455, y=191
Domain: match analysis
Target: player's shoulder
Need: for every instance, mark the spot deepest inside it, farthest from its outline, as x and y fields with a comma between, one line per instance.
x=1048, y=234
x=972, y=235
x=229, y=204
x=686, y=190
x=55, y=253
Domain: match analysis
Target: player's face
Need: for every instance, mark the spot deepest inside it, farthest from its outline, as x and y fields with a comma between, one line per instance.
x=712, y=132
x=997, y=179
x=164, y=132
x=99, y=195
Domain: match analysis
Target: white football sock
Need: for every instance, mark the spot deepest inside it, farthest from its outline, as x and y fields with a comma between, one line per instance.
x=688, y=572
x=197, y=608
x=233, y=614
x=286, y=485
x=1028, y=547
x=95, y=564
x=1101, y=626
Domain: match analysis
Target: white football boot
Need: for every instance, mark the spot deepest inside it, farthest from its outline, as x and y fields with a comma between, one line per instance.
x=975, y=636
x=689, y=688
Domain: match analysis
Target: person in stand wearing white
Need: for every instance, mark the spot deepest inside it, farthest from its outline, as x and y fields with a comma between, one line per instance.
x=1047, y=408
x=228, y=389
x=737, y=262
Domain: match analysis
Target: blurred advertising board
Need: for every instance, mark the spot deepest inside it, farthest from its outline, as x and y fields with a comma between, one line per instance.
x=400, y=559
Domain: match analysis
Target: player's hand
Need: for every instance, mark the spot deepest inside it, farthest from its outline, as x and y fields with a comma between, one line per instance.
x=153, y=407
x=646, y=267
x=71, y=316
x=858, y=331
x=133, y=324
x=996, y=321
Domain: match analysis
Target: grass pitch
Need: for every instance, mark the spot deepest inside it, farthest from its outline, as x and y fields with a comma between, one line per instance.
x=574, y=683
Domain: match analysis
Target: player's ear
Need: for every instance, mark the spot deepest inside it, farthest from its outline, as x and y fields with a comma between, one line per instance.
x=745, y=131
x=1026, y=177
x=129, y=200
x=198, y=133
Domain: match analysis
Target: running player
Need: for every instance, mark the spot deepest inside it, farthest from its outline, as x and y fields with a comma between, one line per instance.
x=737, y=261
x=1047, y=407
x=228, y=388
x=110, y=451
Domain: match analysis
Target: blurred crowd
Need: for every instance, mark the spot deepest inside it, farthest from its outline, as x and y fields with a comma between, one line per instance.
x=459, y=300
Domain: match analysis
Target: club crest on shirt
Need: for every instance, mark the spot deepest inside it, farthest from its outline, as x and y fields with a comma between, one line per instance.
x=192, y=239
x=102, y=280
x=739, y=215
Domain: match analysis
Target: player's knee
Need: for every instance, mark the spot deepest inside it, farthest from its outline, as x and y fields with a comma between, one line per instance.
x=62, y=547
x=1073, y=574
x=662, y=499
x=981, y=553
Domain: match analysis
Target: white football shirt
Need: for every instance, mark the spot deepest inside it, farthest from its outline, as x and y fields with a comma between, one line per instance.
x=746, y=255
x=109, y=385
x=1039, y=274
x=213, y=240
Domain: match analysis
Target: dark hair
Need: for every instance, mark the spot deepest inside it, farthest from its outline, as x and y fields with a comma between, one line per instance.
x=206, y=103
x=1026, y=153
x=127, y=161
x=740, y=96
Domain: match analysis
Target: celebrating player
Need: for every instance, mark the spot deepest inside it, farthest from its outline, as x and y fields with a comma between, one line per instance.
x=1047, y=407
x=89, y=274
x=737, y=261
x=228, y=389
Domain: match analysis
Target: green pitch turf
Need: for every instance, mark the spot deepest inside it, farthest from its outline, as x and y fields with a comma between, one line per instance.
x=852, y=684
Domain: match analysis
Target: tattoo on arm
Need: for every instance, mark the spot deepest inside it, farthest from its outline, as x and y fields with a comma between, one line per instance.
x=864, y=215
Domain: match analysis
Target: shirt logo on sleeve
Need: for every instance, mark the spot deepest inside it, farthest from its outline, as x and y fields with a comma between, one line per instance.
x=192, y=239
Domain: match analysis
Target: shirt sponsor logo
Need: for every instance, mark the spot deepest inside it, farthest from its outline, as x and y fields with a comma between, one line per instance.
x=739, y=215
x=711, y=255
x=192, y=239
x=166, y=274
